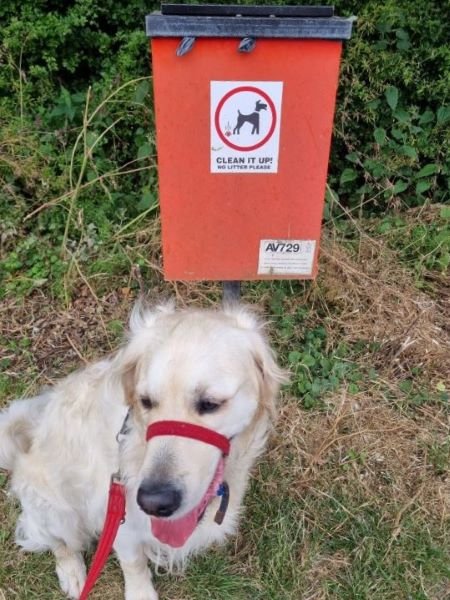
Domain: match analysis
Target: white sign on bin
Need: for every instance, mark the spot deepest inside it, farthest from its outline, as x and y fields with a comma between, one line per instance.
x=286, y=257
x=245, y=126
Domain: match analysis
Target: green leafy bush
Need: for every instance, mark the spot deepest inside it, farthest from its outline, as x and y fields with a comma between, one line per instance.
x=393, y=114
x=71, y=43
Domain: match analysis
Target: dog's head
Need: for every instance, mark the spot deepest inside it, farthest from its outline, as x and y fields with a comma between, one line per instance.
x=210, y=368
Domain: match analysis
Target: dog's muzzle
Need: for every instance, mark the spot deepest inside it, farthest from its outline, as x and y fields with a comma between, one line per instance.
x=175, y=532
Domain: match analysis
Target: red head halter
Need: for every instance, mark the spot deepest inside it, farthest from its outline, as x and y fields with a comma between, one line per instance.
x=189, y=430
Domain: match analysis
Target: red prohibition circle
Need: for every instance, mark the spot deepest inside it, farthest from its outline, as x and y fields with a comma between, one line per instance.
x=220, y=106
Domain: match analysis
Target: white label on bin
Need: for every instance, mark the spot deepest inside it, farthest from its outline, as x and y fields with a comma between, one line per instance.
x=286, y=257
x=245, y=126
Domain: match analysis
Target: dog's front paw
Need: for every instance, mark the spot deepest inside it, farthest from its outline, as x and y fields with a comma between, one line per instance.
x=148, y=594
x=138, y=579
x=71, y=573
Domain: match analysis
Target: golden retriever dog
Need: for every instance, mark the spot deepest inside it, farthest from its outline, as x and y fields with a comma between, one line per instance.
x=203, y=367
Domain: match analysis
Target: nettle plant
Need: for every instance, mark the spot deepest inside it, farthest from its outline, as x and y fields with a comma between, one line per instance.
x=392, y=125
x=405, y=158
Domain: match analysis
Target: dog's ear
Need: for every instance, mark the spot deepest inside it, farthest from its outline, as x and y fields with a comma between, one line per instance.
x=144, y=317
x=270, y=375
x=125, y=365
x=244, y=317
x=128, y=377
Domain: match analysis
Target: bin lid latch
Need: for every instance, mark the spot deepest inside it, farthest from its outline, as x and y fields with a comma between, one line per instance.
x=247, y=44
x=186, y=45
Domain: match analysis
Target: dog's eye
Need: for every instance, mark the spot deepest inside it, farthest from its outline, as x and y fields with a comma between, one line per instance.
x=204, y=406
x=146, y=402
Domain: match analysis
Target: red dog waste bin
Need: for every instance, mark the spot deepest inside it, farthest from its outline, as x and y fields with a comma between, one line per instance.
x=244, y=105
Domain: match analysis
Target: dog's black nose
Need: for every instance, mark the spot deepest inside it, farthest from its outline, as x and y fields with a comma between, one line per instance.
x=158, y=499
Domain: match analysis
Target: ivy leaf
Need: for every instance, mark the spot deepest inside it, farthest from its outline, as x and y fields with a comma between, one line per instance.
x=397, y=133
x=373, y=104
x=408, y=151
x=443, y=114
x=402, y=34
x=427, y=170
x=402, y=115
x=352, y=157
x=422, y=186
x=348, y=175
x=294, y=357
x=147, y=199
x=403, y=44
x=384, y=227
x=380, y=135
x=391, y=94
x=426, y=117
x=400, y=186
x=308, y=360
x=144, y=151
x=141, y=92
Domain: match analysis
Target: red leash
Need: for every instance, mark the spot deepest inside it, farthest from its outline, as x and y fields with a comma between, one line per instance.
x=115, y=513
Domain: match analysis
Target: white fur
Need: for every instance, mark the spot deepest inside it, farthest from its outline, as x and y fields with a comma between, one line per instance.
x=61, y=446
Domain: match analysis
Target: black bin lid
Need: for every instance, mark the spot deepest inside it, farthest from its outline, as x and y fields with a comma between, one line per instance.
x=217, y=20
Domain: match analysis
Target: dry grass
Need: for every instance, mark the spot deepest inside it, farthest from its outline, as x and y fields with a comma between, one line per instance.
x=371, y=296
x=366, y=441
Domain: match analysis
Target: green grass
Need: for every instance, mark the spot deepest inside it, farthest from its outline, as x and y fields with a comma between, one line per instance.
x=379, y=565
